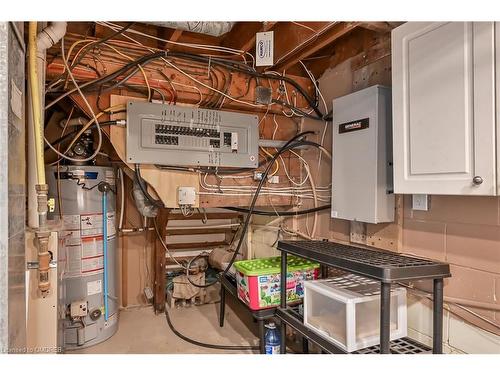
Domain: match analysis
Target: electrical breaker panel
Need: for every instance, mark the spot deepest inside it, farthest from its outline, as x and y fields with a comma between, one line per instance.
x=178, y=135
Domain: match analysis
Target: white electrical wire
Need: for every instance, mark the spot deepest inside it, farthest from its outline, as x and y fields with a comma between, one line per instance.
x=304, y=26
x=323, y=199
x=206, y=47
x=197, y=81
x=317, y=33
x=237, y=177
x=212, y=88
x=160, y=238
x=322, y=141
x=190, y=86
x=286, y=170
x=99, y=132
x=251, y=188
x=283, y=228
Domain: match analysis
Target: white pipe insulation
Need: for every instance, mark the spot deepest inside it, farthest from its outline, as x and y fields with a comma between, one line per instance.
x=208, y=28
x=46, y=38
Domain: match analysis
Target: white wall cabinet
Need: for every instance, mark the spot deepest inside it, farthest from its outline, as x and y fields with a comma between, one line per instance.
x=444, y=108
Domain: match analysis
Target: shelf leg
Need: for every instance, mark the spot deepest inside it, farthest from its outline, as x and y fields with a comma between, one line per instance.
x=262, y=338
x=385, y=318
x=305, y=345
x=283, y=300
x=222, y=307
x=324, y=271
x=283, y=338
x=437, y=326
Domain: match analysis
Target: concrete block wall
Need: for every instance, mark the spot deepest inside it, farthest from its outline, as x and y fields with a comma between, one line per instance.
x=461, y=230
x=465, y=232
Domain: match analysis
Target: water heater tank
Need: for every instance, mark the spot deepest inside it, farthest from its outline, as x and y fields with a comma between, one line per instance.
x=88, y=303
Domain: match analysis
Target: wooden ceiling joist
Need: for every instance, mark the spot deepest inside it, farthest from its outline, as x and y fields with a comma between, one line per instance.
x=379, y=27
x=176, y=35
x=249, y=44
x=311, y=45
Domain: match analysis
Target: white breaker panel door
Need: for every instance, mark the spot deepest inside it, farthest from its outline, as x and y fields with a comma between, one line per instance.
x=444, y=108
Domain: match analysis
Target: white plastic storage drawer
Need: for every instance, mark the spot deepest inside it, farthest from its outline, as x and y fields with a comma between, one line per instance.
x=346, y=311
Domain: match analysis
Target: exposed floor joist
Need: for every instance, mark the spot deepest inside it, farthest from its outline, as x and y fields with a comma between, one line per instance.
x=314, y=44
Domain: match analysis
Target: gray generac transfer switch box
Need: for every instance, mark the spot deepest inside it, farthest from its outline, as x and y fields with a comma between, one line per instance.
x=362, y=156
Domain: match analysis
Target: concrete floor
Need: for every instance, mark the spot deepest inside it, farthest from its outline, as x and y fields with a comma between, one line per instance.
x=141, y=331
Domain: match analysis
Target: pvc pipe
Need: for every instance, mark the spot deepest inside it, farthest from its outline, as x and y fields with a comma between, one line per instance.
x=50, y=35
x=105, y=251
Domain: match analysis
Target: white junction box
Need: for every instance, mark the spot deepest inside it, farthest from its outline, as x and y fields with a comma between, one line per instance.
x=346, y=311
x=362, y=156
x=187, y=196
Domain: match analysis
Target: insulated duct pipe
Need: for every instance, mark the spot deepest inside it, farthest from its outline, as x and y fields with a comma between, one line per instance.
x=208, y=28
x=38, y=44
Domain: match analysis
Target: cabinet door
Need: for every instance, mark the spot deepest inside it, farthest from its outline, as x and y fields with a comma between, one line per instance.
x=444, y=108
x=497, y=75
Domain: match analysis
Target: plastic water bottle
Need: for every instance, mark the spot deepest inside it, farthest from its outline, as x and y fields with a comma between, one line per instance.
x=272, y=339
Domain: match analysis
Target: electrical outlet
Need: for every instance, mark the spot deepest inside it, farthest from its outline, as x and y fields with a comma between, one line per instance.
x=420, y=202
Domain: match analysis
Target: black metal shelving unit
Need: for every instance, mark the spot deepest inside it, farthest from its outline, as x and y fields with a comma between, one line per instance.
x=383, y=266
x=228, y=285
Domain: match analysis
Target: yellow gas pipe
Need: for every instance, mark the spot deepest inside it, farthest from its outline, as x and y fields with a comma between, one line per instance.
x=41, y=187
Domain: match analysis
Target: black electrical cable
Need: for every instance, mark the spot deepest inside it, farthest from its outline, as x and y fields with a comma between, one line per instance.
x=143, y=61
x=120, y=82
x=101, y=41
x=203, y=344
x=259, y=188
x=289, y=146
x=279, y=213
x=85, y=187
x=329, y=115
x=227, y=171
x=295, y=109
x=87, y=48
x=312, y=102
x=68, y=135
x=298, y=136
x=144, y=189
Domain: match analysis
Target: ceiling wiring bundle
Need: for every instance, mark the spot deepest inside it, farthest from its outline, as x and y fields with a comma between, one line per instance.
x=219, y=69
